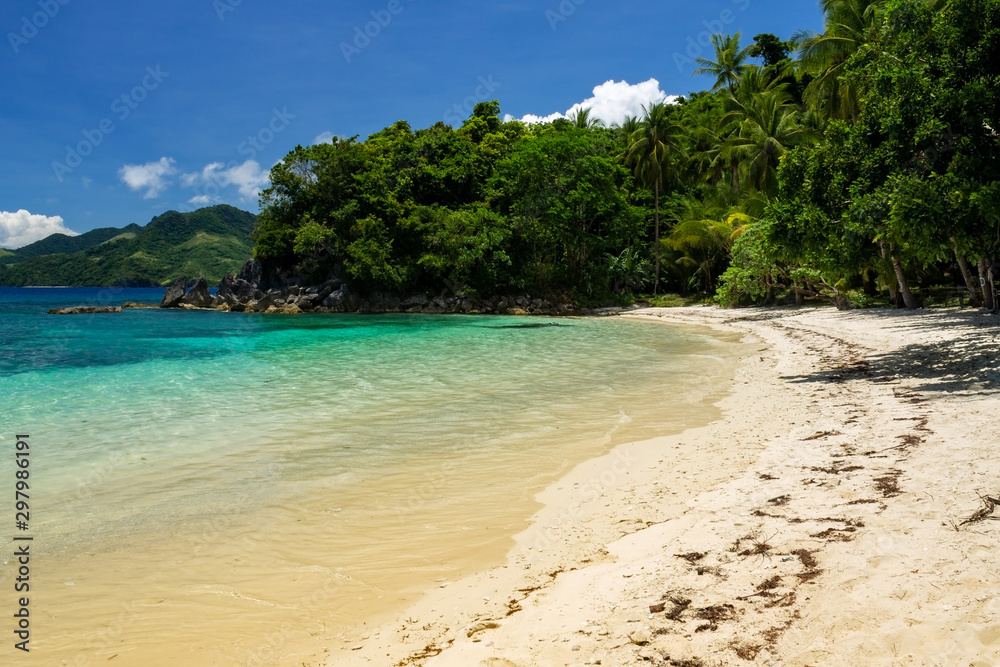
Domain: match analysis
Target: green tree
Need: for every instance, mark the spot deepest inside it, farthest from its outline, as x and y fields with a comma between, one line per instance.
x=729, y=64
x=770, y=49
x=848, y=25
x=653, y=152
x=765, y=125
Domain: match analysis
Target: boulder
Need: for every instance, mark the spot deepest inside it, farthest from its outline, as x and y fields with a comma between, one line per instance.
x=172, y=297
x=227, y=290
x=198, y=296
x=337, y=301
x=418, y=300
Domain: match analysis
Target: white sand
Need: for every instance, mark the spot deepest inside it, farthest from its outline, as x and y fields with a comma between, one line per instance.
x=812, y=557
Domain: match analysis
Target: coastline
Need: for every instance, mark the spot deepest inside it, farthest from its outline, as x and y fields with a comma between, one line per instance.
x=818, y=519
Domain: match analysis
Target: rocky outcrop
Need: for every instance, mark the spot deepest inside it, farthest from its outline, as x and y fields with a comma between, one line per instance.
x=174, y=294
x=85, y=310
x=260, y=289
x=198, y=296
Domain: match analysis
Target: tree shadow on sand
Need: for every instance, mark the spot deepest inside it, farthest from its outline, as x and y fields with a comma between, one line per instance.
x=968, y=364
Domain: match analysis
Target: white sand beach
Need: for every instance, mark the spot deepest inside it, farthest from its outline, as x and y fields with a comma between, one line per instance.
x=816, y=524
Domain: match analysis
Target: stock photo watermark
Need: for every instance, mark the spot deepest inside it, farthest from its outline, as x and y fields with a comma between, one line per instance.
x=701, y=44
x=22, y=542
x=121, y=107
x=31, y=26
x=562, y=13
x=247, y=175
x=223, y=7
x=364, y=35
x=456, y=115
x=255, y=143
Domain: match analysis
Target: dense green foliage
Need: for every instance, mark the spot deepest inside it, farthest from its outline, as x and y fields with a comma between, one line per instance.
x=852, y=162
x=907, y=190
x=209, y=242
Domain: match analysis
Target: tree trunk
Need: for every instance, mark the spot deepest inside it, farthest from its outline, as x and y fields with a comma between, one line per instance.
x=893, y=299
x=984, y=281
x=870, y=287
x=800, y=298
x=656, y=243
x=975, y=296
x=904, y=288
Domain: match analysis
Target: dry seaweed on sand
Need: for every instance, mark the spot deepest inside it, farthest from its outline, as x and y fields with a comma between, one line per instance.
x=990, y=503
x=758, y=544
x=888, y=485
x=714, y=615
x=746, y=650
x=680, y=605
x=806, y=558
x=692, y=557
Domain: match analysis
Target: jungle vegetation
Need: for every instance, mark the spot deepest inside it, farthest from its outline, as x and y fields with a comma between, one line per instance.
x=855, y=165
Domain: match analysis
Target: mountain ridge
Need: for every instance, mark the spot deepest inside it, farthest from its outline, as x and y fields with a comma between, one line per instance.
x=211, y=241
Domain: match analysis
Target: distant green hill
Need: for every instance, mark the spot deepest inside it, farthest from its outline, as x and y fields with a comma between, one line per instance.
x=208, y=242
x=62, y=244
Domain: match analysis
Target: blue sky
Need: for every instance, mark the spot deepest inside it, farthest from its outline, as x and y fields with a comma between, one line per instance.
x=114, y=112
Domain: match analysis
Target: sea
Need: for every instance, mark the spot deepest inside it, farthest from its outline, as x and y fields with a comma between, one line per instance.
x=210, y=488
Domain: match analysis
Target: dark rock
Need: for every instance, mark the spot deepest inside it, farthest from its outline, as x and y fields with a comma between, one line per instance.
x=250, y=273
x=172, y=297
x=337, y=302
x=227, y=290
x=418, y=300
x=198, y=296
x=132, y=305
x=328, y=288
x=85, y=310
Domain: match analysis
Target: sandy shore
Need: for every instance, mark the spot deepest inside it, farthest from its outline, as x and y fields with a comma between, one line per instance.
x=817, y=523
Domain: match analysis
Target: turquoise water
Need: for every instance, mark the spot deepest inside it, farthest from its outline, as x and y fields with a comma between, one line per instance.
x=152, y=429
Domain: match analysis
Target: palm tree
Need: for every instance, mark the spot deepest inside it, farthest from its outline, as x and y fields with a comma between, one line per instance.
x=628, y=126
x=766, y=125
x=729, y=63
x=756, y=80
x=708, y=226
x=848, y=25
x=652, y=152
x=583, y=120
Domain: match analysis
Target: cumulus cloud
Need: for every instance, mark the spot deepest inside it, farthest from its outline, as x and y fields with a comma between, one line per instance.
x=21, y=228
x=612, y=101
x=151, y=177
x=248, y=178
x=325, y=138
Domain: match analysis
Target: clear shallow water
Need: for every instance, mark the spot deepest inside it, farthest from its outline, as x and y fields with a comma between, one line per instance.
x=224, y=467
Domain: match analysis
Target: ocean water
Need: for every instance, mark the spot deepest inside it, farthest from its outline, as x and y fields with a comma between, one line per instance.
x=234, y=489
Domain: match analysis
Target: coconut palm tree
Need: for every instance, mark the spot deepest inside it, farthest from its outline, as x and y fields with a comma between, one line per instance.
x=848, y=25
x=708, y=225
x=583, y=119
x=628, y=126
x=766, y=125
x=729, y=64
x=653, y=151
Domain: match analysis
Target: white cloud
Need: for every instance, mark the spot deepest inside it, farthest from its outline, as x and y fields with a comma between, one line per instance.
x=612, y=101
x=249, y=179
x=151, y=177
x=325, y=138
x=21, y=228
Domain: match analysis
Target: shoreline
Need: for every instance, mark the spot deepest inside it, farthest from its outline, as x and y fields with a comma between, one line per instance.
x=816, y=520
